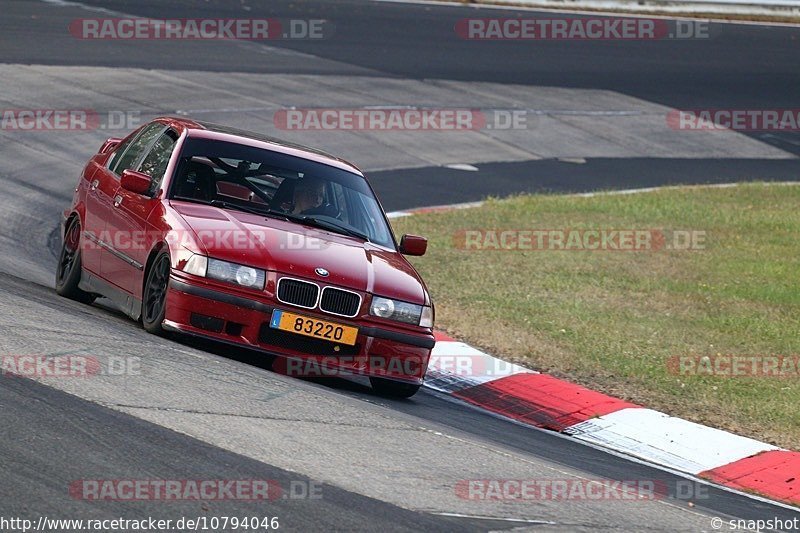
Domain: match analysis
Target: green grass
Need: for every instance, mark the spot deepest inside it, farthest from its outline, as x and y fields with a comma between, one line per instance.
x=610, y=320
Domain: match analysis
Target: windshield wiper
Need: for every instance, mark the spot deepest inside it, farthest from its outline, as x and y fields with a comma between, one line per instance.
x=225, y=205
x=328, y=225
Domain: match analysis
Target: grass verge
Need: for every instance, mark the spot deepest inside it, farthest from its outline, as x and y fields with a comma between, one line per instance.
x=616, y=321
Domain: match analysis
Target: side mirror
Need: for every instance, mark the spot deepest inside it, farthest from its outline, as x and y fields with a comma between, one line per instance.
x=136, y=182
x=413, y=245
x=109, y=145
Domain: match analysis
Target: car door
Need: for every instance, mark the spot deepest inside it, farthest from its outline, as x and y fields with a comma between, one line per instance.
x=106, y=181
x=94, y=220
x=100, y=186
x=128, y=219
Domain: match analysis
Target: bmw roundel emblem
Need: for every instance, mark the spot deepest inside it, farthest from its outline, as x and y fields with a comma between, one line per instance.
x=321, y=272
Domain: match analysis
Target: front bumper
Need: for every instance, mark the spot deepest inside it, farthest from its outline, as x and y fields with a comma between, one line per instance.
x=215, y=313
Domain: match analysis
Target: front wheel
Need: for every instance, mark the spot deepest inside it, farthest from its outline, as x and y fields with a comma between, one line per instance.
x=394, y=389
x=68, y=271
x=154, y=298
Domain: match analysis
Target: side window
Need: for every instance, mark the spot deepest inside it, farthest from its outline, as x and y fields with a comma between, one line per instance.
x=155, y=163
x=366, y=216
x=136, y=148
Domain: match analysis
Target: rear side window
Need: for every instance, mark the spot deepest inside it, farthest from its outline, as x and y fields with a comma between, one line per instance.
x=112, y=163
x=136, y=149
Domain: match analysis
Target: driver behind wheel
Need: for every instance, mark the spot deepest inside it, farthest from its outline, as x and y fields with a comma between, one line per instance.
x=308, y=195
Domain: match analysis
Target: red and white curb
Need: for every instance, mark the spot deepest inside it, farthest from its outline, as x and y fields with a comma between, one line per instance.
x=540, y=400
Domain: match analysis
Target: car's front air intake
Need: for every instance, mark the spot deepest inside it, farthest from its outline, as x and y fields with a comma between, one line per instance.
x=340, y=302
x=296, y=292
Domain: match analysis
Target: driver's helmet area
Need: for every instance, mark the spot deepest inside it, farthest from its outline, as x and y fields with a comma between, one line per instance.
x=305, y=195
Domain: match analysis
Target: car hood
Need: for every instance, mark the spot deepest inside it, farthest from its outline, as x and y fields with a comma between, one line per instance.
x=297, y=251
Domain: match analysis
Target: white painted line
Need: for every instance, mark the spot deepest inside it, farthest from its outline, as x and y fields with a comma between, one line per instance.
x=66, y=3
x=666, y=440
x=462, y=166
x=409, y=212
x=500, y=519
x=469, y=205
x=679, y=10
x=681, y=187
x=683, y=4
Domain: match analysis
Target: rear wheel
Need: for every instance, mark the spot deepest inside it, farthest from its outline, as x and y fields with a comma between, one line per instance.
x=68, y=272
x=154, y=299
x=394, y=389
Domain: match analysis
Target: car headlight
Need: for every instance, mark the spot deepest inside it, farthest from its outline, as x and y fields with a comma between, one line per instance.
x=252, y=278
x=418, y=315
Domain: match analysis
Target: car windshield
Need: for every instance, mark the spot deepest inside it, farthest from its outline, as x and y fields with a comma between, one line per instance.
x=235, y=176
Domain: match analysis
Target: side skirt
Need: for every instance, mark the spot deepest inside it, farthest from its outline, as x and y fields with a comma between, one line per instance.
x=126, y=302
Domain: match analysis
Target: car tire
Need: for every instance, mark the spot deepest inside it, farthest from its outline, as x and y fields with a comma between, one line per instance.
x=393, y=389
x=154, y=294
x=68, y=270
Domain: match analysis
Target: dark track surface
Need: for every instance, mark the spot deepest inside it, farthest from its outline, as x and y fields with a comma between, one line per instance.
x=400, y=188
x=60, y=440
x=741, y=65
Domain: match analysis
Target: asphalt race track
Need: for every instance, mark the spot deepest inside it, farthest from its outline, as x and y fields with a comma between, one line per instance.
x=595, y=119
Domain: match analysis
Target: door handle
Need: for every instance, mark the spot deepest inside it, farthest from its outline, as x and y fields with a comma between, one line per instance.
x=117, y=200
x=95, y=183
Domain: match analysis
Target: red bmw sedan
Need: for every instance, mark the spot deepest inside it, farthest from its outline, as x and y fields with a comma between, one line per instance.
x=208, y=231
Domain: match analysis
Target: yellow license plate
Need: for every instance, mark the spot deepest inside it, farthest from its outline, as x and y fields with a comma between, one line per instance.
x=311, y=327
